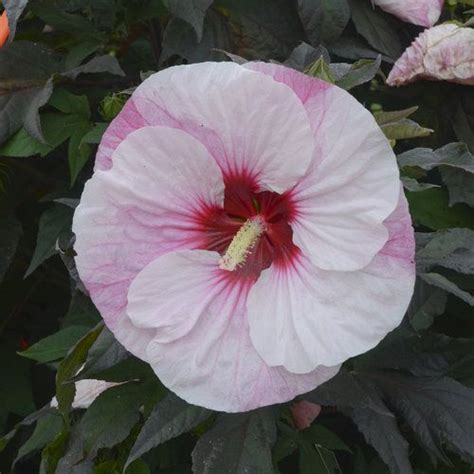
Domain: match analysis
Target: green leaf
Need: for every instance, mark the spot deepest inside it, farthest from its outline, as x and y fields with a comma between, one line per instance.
x=354, y=47
x=411, y=184
x=267, y=29
x=382, y=433
x=451, y=248
x=53, y=453
x=319, y=435
x=46, y=430
x=81, y=312
x=442, y=282
x=454, y=155
x=99, y=64
x=53, y=222
x=237, y=444
x=284, y=446
x=304, y=55
x=94, y=136
x=105, y=353
x=57, y=128
x=69, y=366
x=111, y=106
x=438, y=409
x=321, y=70
x=190, y=11
x=404, y=129
x=15, y=390
x=424, y=355
x=78, y=151
x=26, y=73
x=24, y=64
x=460, y=185
x=10, y=233
x=66, y=251
x=14, y=10
x=56, y=345
x=386, y=117
x=360, y=463
x=69, y=103
x=463, y=119
x=360, y=72
x=170, y=418
x=111, y=416
x=431, y=209
x=347, y=390
x=426, y=304
x=21, y=108
x=80, y=52
x=180, y=39
x=323, y=20
x=52, y=14
x=375, y=29
x=28, y=420
x=25, y=86
x=137, y=467
x=315, y=459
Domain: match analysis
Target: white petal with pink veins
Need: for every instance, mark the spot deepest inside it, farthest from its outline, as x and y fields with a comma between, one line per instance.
x=418, y=12
x=158, y=296
x=301, y=317
x=128, y=120
x=352, y=184
x=214, y=364
x=351, y=187
x=444, y=52
x=141, y=208
x=249, y=123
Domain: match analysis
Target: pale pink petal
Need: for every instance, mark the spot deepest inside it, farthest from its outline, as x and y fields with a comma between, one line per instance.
x=305, y=87
x=444, y=52
x=350, y=188
x=86, y=392
x=419, y=12
x=301, y=317
x=126, y=122
x=141, y=208
x=215, y=365
x=158, y=296
x=352, y=184
x=304, y=413
x=249, y=123
x=401, y=241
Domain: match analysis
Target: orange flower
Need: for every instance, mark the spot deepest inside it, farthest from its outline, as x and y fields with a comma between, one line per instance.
x=4, y=28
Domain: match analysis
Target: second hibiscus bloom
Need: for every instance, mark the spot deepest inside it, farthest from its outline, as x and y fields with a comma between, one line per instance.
x=444, y=53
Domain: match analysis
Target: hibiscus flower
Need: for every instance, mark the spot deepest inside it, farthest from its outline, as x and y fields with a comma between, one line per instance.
x=245, y=232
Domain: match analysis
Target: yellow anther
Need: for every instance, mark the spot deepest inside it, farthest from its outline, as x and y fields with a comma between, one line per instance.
x=242, y=243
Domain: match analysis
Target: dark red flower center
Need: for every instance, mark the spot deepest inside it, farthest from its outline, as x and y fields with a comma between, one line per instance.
x=243, y=202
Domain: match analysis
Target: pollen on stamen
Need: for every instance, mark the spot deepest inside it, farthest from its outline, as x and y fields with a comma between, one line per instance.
x=242, y=243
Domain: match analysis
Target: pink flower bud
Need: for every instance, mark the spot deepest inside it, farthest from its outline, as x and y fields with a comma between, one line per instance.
x=304, y=413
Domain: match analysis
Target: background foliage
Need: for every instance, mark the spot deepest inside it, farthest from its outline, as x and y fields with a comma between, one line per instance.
x=405, y=407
